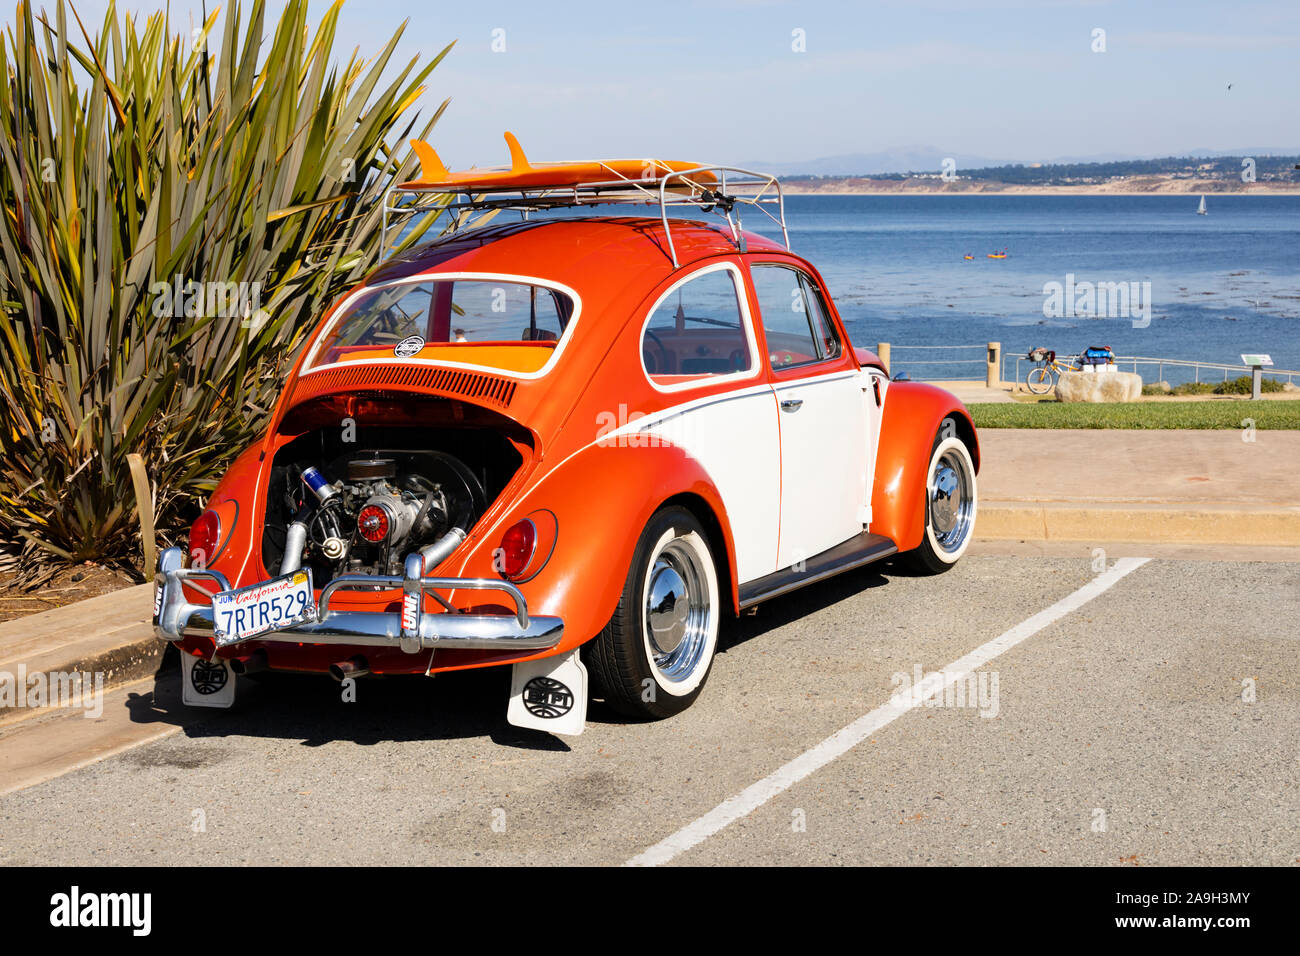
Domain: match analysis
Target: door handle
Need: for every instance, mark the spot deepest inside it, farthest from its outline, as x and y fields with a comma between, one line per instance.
x=791, y=404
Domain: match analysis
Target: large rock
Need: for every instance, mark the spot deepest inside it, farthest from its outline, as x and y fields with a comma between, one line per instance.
x=1099, y=387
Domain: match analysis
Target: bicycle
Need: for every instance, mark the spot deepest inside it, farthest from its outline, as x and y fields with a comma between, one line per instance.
x=1039, y=380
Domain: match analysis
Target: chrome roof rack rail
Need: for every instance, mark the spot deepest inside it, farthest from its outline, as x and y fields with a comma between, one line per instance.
x=719, y=189
x=420, y=205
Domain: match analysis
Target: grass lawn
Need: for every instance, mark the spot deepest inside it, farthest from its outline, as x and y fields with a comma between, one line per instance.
x=1265, y=414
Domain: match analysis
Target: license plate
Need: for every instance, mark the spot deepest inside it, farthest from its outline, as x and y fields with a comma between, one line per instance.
x=261, y=608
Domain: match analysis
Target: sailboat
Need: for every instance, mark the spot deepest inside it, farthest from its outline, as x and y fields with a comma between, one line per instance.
x=1200, y=210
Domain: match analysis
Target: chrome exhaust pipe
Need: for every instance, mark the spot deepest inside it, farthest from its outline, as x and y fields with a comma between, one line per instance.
x=294, y=542
x=253, y=663
x=352, y=667
x=434, y=554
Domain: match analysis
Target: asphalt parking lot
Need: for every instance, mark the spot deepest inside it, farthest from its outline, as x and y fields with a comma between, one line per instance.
x=1157, y=723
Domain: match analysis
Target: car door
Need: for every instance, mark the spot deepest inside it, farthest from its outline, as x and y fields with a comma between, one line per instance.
x=823, y=413
x=697, y=336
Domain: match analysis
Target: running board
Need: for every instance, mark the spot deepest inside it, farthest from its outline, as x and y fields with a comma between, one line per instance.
x=857, y=551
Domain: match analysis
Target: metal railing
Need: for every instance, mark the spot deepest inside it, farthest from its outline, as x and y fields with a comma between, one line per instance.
x=976, y=364
x=985, y=364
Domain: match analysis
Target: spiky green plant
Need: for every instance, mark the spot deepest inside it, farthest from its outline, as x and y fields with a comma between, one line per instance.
x=139, y=156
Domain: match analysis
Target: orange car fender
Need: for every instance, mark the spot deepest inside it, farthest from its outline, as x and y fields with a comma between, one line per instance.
x=912, y=415
x=236, y=502
x=602, y=497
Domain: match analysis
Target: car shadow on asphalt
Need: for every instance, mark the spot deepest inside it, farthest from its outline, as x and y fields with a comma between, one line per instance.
x=803, y=603
x=312, y=708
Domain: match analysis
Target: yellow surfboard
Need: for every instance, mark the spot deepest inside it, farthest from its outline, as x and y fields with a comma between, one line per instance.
x=522, y=174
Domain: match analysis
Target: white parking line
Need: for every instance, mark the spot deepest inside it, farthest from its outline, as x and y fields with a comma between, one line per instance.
x=842, y=741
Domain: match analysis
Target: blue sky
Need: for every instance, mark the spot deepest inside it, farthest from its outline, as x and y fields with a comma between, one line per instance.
x=720, y=80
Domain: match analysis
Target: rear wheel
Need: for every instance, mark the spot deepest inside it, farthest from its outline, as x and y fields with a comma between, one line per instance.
x=950, y=504
x=652, y=658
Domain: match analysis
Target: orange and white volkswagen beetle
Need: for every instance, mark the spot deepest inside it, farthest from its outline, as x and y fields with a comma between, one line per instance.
x=572, y=445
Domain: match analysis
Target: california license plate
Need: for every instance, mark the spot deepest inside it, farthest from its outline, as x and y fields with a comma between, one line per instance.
x=261, y=608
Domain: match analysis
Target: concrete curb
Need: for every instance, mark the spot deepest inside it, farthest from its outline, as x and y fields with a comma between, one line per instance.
x=1138, y=522
x=111, y=635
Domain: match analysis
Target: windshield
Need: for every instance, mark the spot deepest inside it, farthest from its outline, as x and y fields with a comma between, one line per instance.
x=513, y=326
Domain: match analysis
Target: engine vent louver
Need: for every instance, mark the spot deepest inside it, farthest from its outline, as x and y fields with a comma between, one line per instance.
x=488, y=388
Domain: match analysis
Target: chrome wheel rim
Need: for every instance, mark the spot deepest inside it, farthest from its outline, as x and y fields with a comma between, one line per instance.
x=952, y=500
x=678, y=615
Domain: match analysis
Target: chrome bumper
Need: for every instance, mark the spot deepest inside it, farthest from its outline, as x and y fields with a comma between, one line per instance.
x=412, y=630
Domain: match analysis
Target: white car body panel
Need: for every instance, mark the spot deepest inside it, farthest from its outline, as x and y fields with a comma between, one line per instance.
x=825, y=463
x=736, y=440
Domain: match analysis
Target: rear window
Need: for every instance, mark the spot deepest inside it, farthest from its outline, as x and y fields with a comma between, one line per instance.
x=512, y=326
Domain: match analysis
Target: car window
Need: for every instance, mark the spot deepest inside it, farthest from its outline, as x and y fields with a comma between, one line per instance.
x=820, y=319
x=505, y=312
x=697, y=330
x=514, y=326
x=794, y=316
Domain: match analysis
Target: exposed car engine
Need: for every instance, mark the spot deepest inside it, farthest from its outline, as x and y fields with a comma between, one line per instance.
x=365, y=514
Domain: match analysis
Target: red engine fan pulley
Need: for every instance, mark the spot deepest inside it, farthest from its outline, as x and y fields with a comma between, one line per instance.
x=373, y=523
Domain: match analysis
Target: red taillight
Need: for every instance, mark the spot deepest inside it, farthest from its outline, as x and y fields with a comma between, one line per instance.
x=205, y=535
x=372, y=522
x=517, y=546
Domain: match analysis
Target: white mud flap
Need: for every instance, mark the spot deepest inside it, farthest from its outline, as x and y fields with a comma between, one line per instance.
x=206, y=683
x=550, y=694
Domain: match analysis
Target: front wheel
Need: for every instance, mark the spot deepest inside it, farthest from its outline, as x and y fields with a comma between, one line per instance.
x=653, y=656
x=1039, y=380
x=950, y=505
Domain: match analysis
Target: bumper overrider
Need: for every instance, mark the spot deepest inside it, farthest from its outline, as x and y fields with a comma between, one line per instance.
x=413, y=629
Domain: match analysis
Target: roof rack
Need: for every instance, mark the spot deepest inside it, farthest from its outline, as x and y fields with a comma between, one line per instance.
x=526, y=187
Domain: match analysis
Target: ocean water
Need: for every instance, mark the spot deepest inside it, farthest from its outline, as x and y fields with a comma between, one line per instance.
x=1221, y=285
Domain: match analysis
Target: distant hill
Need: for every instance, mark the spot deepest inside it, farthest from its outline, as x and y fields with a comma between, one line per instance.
x=922, y=160
x=1225, y=168
x=872, y=164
